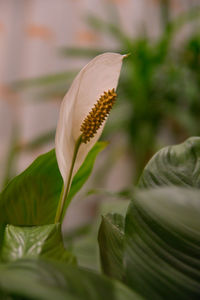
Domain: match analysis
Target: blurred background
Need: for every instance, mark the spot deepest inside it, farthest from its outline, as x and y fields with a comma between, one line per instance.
x=43, y=44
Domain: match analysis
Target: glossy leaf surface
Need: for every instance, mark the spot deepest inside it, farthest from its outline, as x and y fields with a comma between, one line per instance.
x=31, y=198
x=174, y=165
x=162, y=243
x=111, y=245
x=34, y=242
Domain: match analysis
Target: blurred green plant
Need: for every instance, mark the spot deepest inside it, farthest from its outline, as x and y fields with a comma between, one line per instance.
x=159, y=89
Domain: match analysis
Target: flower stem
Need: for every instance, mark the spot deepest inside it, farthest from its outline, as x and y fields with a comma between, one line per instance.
x=65, y=190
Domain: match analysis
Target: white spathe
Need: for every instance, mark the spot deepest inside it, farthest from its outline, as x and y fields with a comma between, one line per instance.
x=99, y=75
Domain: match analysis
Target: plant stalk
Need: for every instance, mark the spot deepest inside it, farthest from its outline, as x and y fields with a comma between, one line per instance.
x=65, y=190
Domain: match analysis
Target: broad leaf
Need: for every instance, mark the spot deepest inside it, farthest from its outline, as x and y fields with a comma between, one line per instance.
x=48, y=281
x=33, y=242
x=174, y=165
x=84, y=172
x=31, y=198
x=162, y=243
x=111, y=245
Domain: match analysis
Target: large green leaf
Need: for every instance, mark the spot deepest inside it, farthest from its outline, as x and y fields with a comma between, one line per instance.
x=33, y=242
x=111, y=245
x=31, y=198
x=47, y=281
x=174, y=165
x=162, y=243
x=84, y=172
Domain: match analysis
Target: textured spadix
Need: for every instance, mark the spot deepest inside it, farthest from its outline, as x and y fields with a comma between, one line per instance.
x=97, y=115
x=100, y=75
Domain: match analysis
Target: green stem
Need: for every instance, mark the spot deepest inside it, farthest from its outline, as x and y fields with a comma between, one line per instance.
x=65, y=190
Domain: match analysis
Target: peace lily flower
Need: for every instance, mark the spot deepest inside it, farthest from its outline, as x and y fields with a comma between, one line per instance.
x=83, y=112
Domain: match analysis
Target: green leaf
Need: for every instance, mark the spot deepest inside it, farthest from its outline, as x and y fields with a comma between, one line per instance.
x=33, y=242
x=111, y=245
x=31, y=198
x=174, y=165
x=162, y=243
x=49, y=281
x=84, y=172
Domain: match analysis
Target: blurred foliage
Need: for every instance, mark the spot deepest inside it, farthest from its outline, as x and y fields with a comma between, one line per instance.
x=48, y=86
x=159, y=88
x=41, y=279
x=158, y=92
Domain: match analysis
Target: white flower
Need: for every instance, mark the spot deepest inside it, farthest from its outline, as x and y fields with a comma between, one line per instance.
x=99, y=75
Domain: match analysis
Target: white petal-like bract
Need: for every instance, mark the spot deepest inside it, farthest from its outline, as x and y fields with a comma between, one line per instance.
x=99, y=75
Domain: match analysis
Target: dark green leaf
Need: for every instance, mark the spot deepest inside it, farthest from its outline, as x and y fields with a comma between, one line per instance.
x=174, y=165
x=33, y=242
x=32, y=197
x=84, y=172
x=48, y=281
x=162, y=243
x=111, y=245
